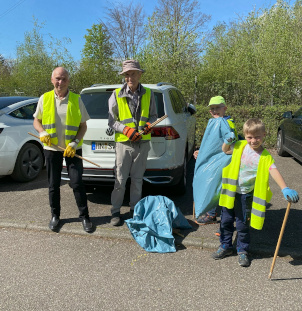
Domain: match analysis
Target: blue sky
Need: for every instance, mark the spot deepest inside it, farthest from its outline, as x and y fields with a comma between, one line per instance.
x=71, y=18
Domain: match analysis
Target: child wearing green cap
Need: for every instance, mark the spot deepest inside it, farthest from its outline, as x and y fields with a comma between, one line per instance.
x=217, y=108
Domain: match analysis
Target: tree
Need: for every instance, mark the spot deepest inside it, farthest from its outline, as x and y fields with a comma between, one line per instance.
x=6, y=83
x=125, y=26
x=97, y=64
x=256, y=60
x=36, y=60
x=174, y=45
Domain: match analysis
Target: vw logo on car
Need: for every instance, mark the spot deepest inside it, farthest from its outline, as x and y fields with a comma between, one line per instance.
x=109, y=131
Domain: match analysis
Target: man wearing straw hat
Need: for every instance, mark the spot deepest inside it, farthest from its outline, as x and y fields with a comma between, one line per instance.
x=131, y=109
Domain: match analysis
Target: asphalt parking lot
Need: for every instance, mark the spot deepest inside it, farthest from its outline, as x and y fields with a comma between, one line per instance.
x=25, y=205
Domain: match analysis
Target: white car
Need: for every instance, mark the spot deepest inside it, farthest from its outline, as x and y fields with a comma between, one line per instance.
x=172, y=140
x=21, y=155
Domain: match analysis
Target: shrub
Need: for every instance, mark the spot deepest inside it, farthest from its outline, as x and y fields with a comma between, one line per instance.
x=270, y=115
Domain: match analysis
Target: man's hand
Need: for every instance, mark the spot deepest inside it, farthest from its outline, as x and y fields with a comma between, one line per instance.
x=70, y=150
x=290, y=195
x=229, y=138
x=45, y=138
x=147, y=128
x=132, y=134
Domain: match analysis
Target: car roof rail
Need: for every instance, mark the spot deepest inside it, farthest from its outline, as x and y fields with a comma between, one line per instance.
x=163, y=83
x=97, y=84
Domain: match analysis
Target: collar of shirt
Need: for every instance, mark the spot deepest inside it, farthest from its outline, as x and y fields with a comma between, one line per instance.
x=57, y=96
x=63, y=100
x=137, y=91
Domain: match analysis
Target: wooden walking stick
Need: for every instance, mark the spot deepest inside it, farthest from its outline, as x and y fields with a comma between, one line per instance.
x=280, y=239
x=76, y=155
x=156, y=122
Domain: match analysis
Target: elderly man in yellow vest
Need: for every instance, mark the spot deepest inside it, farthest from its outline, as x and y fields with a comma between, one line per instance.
x=60, y=119
x=131, y=109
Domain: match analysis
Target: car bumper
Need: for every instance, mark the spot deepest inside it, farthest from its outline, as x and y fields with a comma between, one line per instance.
x=95, y=177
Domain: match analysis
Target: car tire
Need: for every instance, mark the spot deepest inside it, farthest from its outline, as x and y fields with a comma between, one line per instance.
x=29, y=163
x=181, y=187
x=280, y=147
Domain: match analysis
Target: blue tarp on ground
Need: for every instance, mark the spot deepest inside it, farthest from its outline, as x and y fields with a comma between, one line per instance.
x=153, y=221
x=208, y=167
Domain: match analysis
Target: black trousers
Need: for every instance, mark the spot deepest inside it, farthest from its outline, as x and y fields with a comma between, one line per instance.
x=54, y=164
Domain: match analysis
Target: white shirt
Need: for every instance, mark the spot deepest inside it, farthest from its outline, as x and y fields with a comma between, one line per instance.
x=248, y=169
x=60, y=117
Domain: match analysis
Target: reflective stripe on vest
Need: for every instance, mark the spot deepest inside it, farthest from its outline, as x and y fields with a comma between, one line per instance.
x=262, y=192
x=125, y=116
x=73, y=117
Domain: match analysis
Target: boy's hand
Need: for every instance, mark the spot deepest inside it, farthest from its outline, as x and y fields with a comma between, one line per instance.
x=290, y=195
x=229, y=138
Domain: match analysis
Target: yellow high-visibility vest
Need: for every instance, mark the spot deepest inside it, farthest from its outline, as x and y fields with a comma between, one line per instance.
x=262, y=193
x=125, y=116
x=232, y=126
x=73, y=117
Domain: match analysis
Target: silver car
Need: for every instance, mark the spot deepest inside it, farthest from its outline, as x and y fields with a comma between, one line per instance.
x=21, y=155
x=172, y=140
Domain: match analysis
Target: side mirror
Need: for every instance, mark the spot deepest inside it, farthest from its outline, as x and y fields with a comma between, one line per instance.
x=192, y=109
x=287, y=115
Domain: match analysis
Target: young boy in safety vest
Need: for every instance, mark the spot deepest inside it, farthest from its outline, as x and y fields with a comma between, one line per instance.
x=217, y=109
x=245, y=190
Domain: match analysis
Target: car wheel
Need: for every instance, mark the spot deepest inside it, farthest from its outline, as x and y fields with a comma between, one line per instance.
x=180, y=188
x=29, y=163
x=280, y=148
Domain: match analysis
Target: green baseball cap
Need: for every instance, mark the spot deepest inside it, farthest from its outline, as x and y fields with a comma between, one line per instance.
x=216, y=100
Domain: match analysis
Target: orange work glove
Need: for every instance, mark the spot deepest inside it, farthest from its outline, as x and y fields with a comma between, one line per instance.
x=132, y=134
x=147, y=128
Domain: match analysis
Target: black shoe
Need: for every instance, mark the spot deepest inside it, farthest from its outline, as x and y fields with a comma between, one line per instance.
x=54, y=224
x=243, y=260
x=87, y=225
x=221, y=253
x=116, y=219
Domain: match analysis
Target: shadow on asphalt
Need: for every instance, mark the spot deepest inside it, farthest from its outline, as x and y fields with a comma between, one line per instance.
x=102, y=194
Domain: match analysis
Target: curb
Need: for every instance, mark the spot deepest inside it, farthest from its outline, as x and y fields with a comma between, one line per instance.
x=122, y=233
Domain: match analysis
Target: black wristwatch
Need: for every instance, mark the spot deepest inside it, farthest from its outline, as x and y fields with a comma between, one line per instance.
x=76, y=140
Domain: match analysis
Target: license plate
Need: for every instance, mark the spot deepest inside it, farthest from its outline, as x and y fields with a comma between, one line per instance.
x=103, y=146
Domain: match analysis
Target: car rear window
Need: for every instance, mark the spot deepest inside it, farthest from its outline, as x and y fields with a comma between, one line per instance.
x=6, y=101
x=159, y=104
x=96, y=104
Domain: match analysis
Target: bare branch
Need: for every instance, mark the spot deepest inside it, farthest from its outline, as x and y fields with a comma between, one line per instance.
x=125, y=26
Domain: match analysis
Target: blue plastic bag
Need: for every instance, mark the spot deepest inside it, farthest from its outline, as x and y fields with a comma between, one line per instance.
x=153, y=220
x=208, y=167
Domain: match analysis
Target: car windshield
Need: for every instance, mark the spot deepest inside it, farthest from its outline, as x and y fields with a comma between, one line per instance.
x=96, y=104
x=6, y=101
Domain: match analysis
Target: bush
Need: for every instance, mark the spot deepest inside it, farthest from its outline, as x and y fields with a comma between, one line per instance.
x=270, y=115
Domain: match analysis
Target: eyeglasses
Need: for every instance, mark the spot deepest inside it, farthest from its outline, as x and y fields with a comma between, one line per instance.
x=216, y=108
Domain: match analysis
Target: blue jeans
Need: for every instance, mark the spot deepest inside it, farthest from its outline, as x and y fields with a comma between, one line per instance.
x=241, y=214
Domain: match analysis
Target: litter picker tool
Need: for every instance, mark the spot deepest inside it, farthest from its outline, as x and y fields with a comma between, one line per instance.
x=156, y=122
x=61, y=148
x=280, y=239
